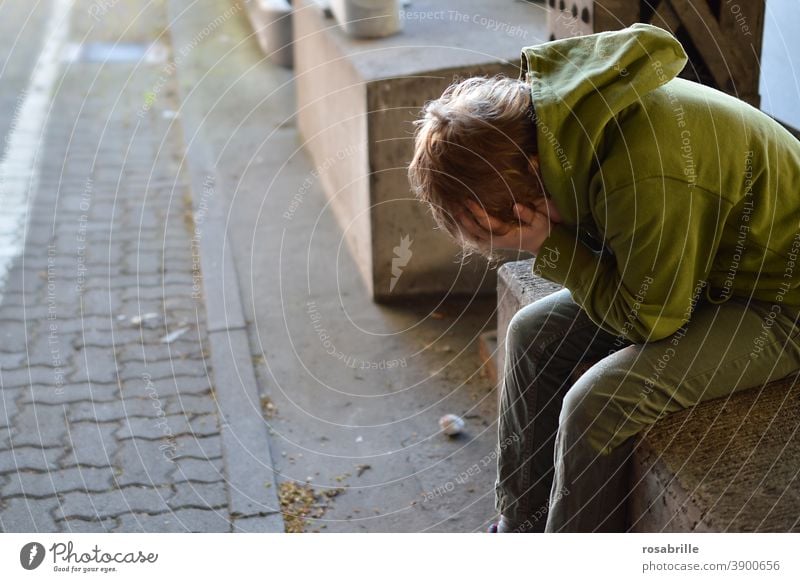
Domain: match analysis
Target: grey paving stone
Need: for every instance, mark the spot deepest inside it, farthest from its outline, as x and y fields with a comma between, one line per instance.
x=112, y=503
x=198, y=470
x=148, y=293
x=50, y=348
x=69, y=393
x=26, y=376
x=150, y=263
x=200, y=495
x=190, y=403
x=28, y=321
x=148, y=428
x=28, y=515
x=43, y=426
x=9, y=360
x=179, y=305
x=126, y=281
x=159, y=245
x=91, y=270
x=85, y=324
x=38, y=484
x=111, y=411
x=9, y=398
x=143, y=262
x=30, y=280
x=104, y=254
x=14, y=328
x=131, y=307
x=91, y=444
x=29, y=458
x=94, y=364
x=177, y=258
x=142, y=462
x=138, y=352
x=68, y=302
x=161, y=388
x=18, y=299
x=182, y=520
x=88, y=526
x=148, y=218
x=178, y=278
x=204, y=425
x=208, y=447
x=104, y=339
x=163, y=369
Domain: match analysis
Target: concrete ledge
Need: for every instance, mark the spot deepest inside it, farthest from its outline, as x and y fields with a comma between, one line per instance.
x=725, y=465
x=729, y=464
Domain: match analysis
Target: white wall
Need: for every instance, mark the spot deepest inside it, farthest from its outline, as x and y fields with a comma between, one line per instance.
x=780, y=65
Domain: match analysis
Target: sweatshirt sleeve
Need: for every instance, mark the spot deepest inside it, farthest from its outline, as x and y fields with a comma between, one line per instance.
x=662, y=236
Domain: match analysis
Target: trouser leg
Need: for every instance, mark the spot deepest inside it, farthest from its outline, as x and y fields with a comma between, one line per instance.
x=724, y=348
x=546, y=341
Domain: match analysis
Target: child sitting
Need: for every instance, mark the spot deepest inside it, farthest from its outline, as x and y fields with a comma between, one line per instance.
x=670, y=214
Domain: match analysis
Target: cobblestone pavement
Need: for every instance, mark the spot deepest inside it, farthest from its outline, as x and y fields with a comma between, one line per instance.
x=108, y=417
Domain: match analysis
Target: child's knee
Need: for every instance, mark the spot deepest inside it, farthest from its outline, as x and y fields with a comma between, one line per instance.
x=600, y=413
x=535, y=327
x=528, y=324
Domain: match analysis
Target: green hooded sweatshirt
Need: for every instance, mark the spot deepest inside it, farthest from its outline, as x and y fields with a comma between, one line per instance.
x=668, y=189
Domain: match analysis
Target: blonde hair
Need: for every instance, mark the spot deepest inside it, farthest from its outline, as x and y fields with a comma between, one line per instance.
x=474, y=142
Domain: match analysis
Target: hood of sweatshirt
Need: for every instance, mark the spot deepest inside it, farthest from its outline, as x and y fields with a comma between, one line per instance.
x=579, y=86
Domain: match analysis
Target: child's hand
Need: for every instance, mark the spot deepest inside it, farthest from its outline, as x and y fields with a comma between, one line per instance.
x=527, y=235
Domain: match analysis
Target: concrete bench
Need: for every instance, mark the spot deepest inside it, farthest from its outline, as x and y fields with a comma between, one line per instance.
x=731, y=464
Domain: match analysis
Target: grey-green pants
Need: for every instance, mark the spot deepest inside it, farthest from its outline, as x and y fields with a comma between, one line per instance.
x=564, y=446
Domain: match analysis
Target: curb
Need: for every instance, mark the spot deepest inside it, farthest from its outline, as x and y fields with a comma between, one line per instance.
x=253, y=492
x=251, y=478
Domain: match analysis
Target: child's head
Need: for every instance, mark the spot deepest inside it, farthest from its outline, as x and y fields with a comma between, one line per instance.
x=476, y=142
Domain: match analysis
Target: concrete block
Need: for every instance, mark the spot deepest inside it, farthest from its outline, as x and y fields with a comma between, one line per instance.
x=272, y=22
x=356, y=102
x=725, y=465
x=368, y=19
